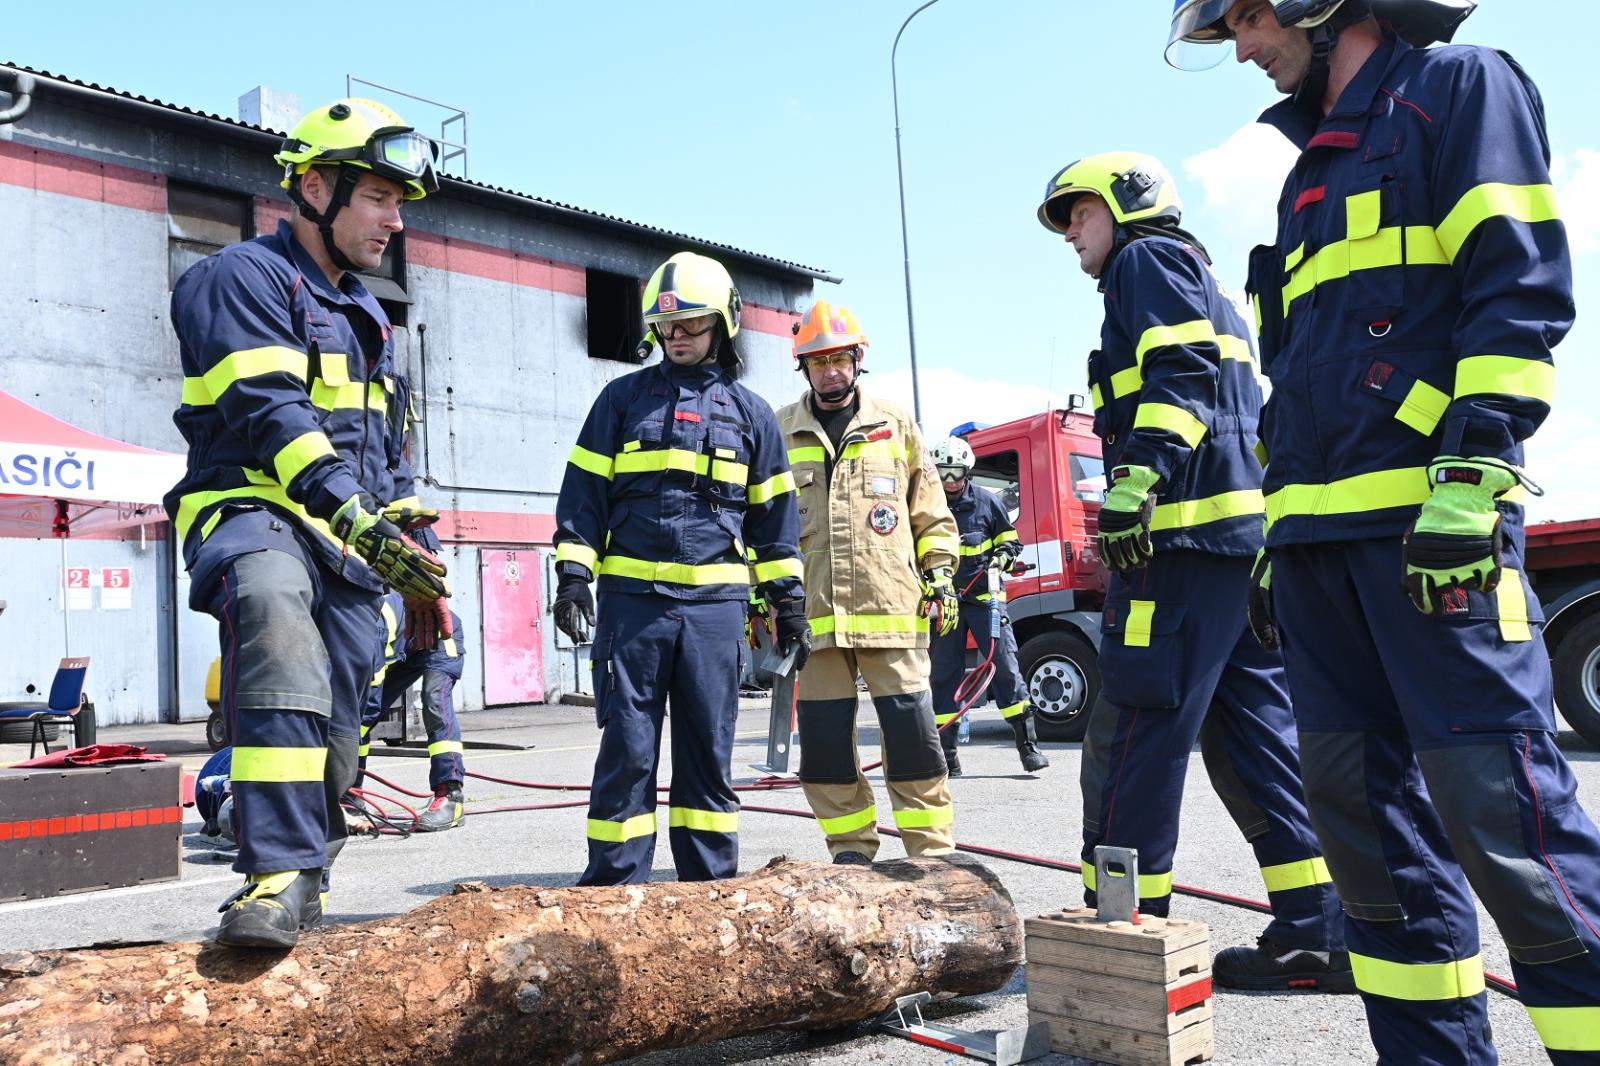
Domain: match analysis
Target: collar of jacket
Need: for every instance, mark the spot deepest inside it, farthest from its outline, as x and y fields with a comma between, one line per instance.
x=966, y=499
x=350, y=289
x=1307, y=129
x=700, y=376
x=869, y=416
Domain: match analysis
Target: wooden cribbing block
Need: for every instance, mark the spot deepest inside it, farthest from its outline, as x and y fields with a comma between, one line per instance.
x=1134, y=995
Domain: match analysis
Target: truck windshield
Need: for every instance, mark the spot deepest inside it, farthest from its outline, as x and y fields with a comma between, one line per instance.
x=1089, y=478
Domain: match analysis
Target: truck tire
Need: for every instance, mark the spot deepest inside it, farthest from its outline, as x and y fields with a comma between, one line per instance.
x=1063, y=677
x=1576, y=665
x=216, y=731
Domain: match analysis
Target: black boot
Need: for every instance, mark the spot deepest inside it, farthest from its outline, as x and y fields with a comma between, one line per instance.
x=445, y=811
x=952, y=761
x=1033, y=759
x=1271, y=967
x=271, y=909
x=851, y=858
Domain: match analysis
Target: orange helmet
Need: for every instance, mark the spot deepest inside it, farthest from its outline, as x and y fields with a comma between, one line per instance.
x=826, y=328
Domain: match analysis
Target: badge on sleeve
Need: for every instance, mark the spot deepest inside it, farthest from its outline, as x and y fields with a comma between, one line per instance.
x=884, y=519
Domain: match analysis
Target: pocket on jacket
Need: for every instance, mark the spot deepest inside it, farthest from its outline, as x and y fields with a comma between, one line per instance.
x=1415, y=401
x=881, y=479
x=1142, y=656
x=811, y=502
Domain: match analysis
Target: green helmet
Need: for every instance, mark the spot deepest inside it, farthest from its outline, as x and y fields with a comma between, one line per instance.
x=361, y=133
x=689, y=285
x=1136, y=187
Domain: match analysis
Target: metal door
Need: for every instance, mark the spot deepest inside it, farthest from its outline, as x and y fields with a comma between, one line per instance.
x=513, y=634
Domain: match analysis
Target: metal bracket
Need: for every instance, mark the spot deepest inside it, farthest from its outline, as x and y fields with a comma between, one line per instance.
x=779, y=672
x=1003, y=1047
x=1116, y=884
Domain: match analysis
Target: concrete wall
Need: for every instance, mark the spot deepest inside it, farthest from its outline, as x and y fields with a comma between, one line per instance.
x=495, y=346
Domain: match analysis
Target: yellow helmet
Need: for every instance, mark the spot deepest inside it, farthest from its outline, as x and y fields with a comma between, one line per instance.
x=827, y=328
x=1135, y=186
x=689, y=285
x=361, y=133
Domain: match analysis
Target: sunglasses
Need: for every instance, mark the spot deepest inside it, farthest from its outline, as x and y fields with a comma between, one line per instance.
x=831, y=361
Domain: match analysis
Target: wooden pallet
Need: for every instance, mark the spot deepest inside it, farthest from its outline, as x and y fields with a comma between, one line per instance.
x=1133, y=995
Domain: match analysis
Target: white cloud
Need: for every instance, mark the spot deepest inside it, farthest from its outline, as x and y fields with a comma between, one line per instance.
x=1242, y=178
x=1577, y=180
x=950, y=397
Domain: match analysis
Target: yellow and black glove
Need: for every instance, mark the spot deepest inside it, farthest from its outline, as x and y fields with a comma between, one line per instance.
x=1456, y=542
x=1125, y=518
x=381, y=541
x=939, y=604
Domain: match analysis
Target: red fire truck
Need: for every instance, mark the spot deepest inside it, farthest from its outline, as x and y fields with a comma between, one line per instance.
x=1048, y=472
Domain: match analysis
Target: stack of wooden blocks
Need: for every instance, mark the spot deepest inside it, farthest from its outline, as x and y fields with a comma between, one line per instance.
x=1119, y=992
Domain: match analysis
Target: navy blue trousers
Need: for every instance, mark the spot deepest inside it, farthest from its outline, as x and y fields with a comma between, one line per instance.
x=1430, y=754
x=445, y=765
x=1178, y=662
x=653, y=654
x=949, y=653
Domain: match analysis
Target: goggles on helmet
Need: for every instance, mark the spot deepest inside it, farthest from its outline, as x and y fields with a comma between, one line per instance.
x=397, y=153
x=831, y=360
x=697, y=325
x=953, y=473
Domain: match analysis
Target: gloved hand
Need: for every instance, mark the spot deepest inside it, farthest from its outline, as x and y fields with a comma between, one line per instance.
x=574, y=607
x=793, y=631
x=1007, y=554
x=411, y=519
x=755, y=614
x=1125, y=518
x=1456, y=540
x=396, y=559
x=939, y=596
x=427, y=623
x=1263, y=623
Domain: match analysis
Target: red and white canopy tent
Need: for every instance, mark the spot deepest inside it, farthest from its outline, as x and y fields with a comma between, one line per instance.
x=57, y=480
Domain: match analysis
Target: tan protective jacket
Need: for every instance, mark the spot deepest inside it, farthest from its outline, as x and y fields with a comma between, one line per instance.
x=868, y=532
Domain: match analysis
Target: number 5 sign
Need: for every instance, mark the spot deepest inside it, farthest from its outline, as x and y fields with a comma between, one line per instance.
x=116, y=588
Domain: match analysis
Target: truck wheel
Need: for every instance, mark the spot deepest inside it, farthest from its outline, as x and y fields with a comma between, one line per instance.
x=216, y=732
x=1576, y=665
x=1063, y=675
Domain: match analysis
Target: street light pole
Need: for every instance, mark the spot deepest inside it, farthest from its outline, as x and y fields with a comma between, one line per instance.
x=905, y=244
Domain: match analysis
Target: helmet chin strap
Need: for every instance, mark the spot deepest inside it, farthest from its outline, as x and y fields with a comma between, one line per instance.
x=343, y=189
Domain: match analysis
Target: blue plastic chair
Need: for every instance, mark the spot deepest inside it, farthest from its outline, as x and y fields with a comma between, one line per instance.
x=65, y=707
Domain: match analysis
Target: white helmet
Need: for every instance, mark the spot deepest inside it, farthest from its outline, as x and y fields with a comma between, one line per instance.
x=953, y=451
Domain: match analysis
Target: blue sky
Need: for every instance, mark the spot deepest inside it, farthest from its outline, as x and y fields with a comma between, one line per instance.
x=770, y=127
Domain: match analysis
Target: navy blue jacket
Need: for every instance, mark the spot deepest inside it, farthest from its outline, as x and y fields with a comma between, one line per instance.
x=291, y=400
x=1174, y=389
x=679, y=484
x=984, y=525
x=1419, y=281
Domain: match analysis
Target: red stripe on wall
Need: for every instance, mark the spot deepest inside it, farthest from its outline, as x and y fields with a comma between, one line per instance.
x=492, y=527
x=496, y=264
x=90, y=823
x=70, y=175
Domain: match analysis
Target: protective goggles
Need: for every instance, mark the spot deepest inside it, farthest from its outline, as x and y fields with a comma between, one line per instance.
x=831, y=360
x=398, y=153
x=692, y=326
x=953, y=473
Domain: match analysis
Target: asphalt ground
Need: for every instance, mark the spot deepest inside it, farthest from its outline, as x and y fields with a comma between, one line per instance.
x=996, y=805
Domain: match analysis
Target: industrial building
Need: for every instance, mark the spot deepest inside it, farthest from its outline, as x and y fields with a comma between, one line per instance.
x=511, y=312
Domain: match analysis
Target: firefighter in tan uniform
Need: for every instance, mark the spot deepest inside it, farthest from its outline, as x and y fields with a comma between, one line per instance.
x=880, y=550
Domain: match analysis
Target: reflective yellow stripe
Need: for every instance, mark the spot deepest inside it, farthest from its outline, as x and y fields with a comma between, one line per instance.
x=443, y=747
x=237, y=366
x=1389, y=246
x=1199, y=331
x=1381, y=489
x=1173, y=419
x=807, y=455
x=334, y=367
x=874, y=449
x=924, y=817
x=702, y=821
x=1261, y=452
x=1418, y=982
x=351, y=396
x=776, y=485
x=869, y=623
x=569, y=551
x=686, y=462
x=364, y=749
x=1422, y=408
x=941, y=719
x=1136, y=631
x=450, y=648
x=1567, y=1028
x=848, y=823
x=595, y=463
x=1294, y=258
x=300, y=453
x=1363, y=212
x=1095, y=397
x=976, y=549
x=1151, y=886
x=777, y=569
x=1235, y=348
x=1126, y=382
x=1185, y=513
x=1512, y=603
x=1004, y=536
x=1525, y=203
x=1506, y=375
x=1287, y=876
x=1014, y=710
x=677, y=573
x=640, y=825
x=262, y=488
x=930, y=545
x=280, y=765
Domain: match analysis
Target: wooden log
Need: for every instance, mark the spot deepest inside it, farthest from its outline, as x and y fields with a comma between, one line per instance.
x=532, y=975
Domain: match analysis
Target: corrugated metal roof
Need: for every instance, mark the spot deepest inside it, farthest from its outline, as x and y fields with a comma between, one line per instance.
x=521, y=198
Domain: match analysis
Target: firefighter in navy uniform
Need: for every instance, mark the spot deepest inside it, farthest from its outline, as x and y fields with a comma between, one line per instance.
x=297, y=503
x=987, y=535
x=1176, y=404
x=1419, y=281
x=676, y=493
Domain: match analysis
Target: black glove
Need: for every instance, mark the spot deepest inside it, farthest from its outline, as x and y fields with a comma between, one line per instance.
x=574, y=607
x=1263, y=623
x=793, y=631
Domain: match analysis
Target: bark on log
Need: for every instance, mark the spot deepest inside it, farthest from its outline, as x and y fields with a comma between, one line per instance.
x=527, y=974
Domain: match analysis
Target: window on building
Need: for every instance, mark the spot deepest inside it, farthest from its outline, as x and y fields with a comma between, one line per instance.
x=202, y=222
x=387, y=281
x=616, y=322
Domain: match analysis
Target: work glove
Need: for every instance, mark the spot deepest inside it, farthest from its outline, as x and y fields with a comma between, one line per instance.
x=755, y=614
x=793, y=631
x=574, y=607
x=378, y=539
x=1125, y=518
x=1007, y=554
x=939, y=602
x=1263, y=623
x=1455, y=543
x=427, y=623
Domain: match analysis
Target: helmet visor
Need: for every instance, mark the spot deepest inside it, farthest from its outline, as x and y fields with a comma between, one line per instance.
x=1198, y=34
x=408, y=153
